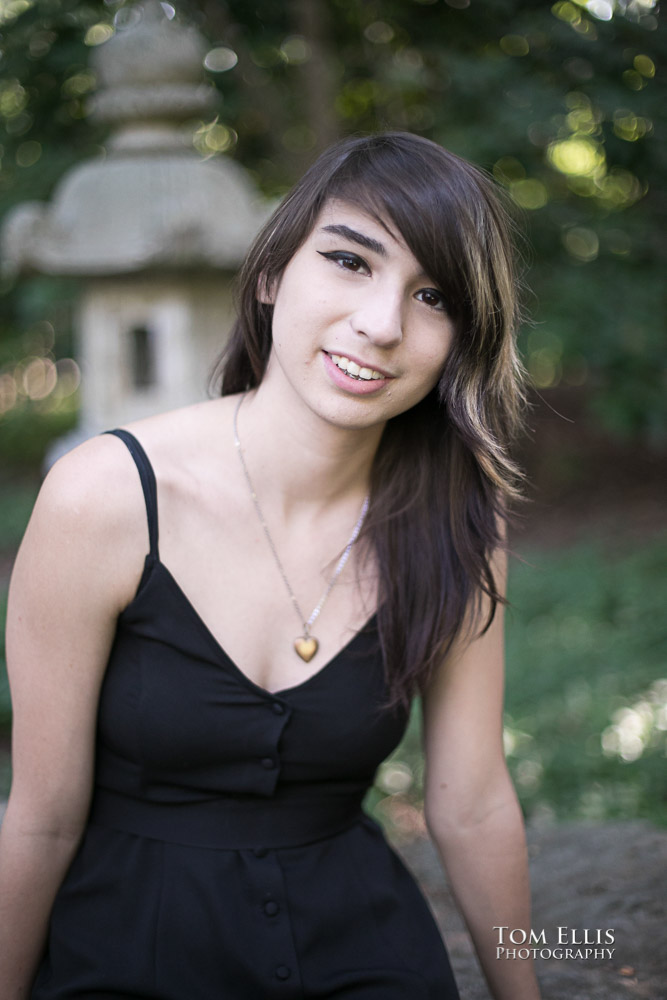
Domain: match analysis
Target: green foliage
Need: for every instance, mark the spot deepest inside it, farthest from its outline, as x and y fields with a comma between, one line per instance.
x=43, y=133
x=563, y=107
x=586, y=639
x=5, y=703
x=39, y=396
x=16, y=503
x=586, y=704
x=27, y=433
x=45, y=79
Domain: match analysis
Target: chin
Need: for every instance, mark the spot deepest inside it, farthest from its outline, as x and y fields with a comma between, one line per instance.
x=359, y=414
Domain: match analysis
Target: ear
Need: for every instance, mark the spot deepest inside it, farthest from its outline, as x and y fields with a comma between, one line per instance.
x=266, y=291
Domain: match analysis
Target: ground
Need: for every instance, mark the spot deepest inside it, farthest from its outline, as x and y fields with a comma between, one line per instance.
x=609, y=876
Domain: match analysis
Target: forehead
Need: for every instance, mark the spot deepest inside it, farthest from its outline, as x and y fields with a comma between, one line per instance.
x=379, y=227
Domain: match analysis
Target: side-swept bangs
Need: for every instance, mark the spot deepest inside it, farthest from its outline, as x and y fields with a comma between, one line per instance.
x=443, y=475
x=448, y=212
x=439, y=204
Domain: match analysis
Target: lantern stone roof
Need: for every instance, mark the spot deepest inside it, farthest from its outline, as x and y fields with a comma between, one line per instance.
x=151, y=202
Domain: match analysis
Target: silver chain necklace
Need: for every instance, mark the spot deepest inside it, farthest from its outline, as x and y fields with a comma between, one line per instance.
x=305, y=645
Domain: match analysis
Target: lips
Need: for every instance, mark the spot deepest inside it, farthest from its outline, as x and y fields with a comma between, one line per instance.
x=351, y=384
x=357, y=369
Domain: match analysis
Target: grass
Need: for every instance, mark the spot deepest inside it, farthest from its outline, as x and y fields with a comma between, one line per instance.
x=586, y=714
x=586, y=698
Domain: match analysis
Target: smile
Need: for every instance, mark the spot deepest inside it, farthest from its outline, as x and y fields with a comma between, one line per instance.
x=354, y=370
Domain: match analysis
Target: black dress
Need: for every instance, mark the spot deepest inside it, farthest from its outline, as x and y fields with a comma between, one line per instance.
x=227, y=856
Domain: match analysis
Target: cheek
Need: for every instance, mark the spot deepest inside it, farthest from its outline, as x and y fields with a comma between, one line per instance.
x=436, y=354
x=302, y=322
x=298, y=305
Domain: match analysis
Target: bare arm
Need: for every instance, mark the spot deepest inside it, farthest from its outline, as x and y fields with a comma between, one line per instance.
x=76, y=569
x=472, y=811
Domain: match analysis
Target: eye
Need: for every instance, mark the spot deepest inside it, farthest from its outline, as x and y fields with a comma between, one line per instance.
x=346, y=260
x=431, y=297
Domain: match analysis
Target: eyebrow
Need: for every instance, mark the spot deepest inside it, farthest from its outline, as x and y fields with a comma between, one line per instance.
x=363, y=241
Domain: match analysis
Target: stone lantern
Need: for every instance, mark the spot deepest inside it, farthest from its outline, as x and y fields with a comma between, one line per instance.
x=155, y=229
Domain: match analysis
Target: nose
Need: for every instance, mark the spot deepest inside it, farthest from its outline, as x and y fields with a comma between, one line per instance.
x=379, y=317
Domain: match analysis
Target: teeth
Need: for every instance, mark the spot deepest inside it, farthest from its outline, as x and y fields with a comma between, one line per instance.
x=352, y=369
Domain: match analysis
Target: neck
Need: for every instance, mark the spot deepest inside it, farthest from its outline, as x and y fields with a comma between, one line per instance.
x=300, y=459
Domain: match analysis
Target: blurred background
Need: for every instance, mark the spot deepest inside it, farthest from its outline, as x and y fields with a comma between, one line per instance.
x=562, y=103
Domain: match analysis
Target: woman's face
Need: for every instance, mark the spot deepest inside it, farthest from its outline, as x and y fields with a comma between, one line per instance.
x=360, y=333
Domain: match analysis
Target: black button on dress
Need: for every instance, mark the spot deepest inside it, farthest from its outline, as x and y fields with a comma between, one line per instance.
x=227, y=855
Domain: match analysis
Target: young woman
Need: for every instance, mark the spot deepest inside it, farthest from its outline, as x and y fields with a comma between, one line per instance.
x=209, y=659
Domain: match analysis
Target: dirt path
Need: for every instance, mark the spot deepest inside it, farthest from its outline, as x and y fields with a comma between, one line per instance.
x=610, y=876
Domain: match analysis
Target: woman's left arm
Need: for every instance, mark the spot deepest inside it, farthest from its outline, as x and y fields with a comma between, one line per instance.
x=472, y=811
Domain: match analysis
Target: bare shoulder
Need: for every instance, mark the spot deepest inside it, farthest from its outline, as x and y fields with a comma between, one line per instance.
x=182, y=443
x=91, y=509
x=174, y=432
x=77, y=568
x=97, y=483
x=93, y=487
x=90, y=513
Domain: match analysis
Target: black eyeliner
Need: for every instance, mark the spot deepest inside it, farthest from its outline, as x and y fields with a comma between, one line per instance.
x=341, y=255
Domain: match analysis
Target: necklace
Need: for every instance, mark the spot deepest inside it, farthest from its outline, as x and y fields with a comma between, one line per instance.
x=306, y=645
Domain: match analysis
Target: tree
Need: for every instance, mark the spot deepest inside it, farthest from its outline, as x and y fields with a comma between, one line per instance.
x=561, y=103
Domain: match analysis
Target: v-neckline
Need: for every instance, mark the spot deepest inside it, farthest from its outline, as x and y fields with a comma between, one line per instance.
x=221, y=651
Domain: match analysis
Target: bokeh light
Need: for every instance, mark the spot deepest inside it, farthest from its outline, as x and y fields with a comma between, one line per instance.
x=544, y=358
x=8, y=392
x=602, y=9
x=79, y=84
x=529, y=193
x=567, y=12
x=581, y=243
x=295, y=50
x=13, y=98
x=631, y=127
x=508, y=169
x=580, y=156
x=395, y=777
x=11, y=9
x=220, y=59
x=638, y=727
x=619, y=188
x=28, y=153
x=634, y=80
x=213, y=138
x=514, y=45
x=39, y=380
x=97, y=34
x=644, y=65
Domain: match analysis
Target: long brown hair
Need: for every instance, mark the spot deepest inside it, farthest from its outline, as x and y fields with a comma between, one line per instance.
x=442, y=477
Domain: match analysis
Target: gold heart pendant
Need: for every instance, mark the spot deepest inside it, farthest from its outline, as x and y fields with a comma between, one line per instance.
x=306, y=647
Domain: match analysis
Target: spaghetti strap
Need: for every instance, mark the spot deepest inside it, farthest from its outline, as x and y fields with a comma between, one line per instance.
x=148, y=483
x=203, y=780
